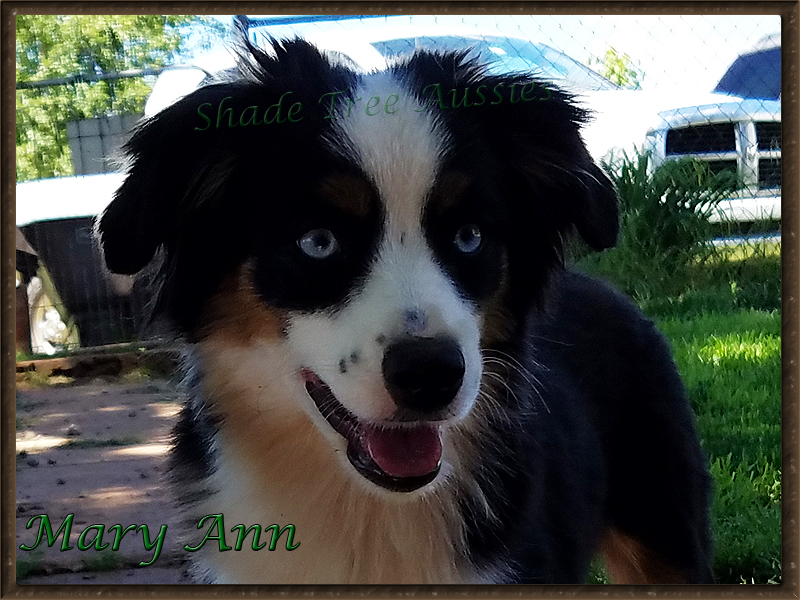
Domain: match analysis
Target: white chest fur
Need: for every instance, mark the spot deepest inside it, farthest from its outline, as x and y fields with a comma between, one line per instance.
x=274, y=466
x=343, y=533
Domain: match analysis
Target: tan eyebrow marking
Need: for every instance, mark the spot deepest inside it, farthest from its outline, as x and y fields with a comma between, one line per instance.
x=349, y=193
x=448, y=191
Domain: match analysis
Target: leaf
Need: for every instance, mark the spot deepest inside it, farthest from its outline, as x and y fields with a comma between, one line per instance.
x=55, y=46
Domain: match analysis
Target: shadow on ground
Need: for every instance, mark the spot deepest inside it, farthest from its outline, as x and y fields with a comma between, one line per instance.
x=98, y=452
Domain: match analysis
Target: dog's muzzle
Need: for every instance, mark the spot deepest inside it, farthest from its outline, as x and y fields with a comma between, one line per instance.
x=423, y=376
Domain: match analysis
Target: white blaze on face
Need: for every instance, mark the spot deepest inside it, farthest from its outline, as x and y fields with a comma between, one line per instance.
x=400, y=151
x=406, y=291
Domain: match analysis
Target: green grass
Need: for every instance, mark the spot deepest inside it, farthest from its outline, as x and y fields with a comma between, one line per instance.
x=105, y=560
x=597, y=573
x=93, y=443
x=731, y=365
x=727, y=279
x=723, y=321
x=35, y=564
x=30, y=565
x=32, y=379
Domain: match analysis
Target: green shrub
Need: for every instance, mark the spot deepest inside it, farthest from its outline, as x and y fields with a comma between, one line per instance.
x=664, y=227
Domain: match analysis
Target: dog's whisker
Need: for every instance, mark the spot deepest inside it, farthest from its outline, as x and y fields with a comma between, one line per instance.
x=510, y=390
x=505, y=356
x=533, y=382
x=495, y=408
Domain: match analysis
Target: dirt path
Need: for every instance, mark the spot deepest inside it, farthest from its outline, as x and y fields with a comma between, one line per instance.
x=96, y=451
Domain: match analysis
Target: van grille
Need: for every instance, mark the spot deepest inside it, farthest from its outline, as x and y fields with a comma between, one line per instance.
x=769, y=173
x=768, y=135
x=719, y=166
x=702, y=139
x=750, y=149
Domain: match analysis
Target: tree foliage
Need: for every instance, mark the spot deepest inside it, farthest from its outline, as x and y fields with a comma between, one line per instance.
x=53, y=46
x=618, y=68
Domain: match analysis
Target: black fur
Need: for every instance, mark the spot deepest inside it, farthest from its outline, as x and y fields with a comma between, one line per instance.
x=597, y=433
x=616, y=438
x=658, y=484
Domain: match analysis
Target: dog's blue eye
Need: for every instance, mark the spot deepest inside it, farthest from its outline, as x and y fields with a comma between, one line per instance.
x=468, y=239
x=318, y=243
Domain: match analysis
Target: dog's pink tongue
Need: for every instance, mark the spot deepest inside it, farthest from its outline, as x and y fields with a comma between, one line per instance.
x=404, y=452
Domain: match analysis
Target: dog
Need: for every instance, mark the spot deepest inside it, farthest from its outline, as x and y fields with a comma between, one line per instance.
x=384, y=346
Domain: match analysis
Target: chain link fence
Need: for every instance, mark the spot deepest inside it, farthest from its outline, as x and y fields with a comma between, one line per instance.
x=650, y=81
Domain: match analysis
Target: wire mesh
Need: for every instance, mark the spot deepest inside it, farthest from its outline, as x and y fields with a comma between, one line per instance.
x=648, y=79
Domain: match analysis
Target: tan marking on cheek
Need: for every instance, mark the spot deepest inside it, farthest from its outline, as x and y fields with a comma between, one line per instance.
x=497, y=323
x=349, y=193
x=236, y=313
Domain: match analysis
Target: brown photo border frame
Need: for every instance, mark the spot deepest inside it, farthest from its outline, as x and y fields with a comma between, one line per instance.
x=789, y=11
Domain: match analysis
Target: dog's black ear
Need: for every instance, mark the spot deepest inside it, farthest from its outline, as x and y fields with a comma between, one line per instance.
x=594, y=207
x=541, y=139
x=132, y=227
x=184, y=160
x=168, y=161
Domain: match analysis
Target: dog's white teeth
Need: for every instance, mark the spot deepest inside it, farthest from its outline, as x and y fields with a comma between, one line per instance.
x=404, y=452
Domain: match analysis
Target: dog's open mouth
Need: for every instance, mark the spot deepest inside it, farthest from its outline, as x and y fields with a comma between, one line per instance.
x=401, y=459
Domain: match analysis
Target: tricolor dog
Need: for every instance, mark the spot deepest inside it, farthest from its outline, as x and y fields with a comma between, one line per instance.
x=385, y=348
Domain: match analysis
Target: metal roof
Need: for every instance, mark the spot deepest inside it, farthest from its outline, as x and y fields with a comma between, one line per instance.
x=65, y=197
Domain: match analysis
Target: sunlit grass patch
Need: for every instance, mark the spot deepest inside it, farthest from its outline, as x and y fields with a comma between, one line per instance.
x=731, y=365
x=737, y=349
x=748, y=250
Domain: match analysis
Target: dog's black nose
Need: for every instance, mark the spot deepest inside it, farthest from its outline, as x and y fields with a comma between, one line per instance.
x=423, y=374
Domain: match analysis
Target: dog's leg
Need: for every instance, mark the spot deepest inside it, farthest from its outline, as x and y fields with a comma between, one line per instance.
x=658, y=488
x=658, y=495
x=628, y=561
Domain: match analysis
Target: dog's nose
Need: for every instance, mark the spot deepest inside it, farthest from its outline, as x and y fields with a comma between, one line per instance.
x=423, y=374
